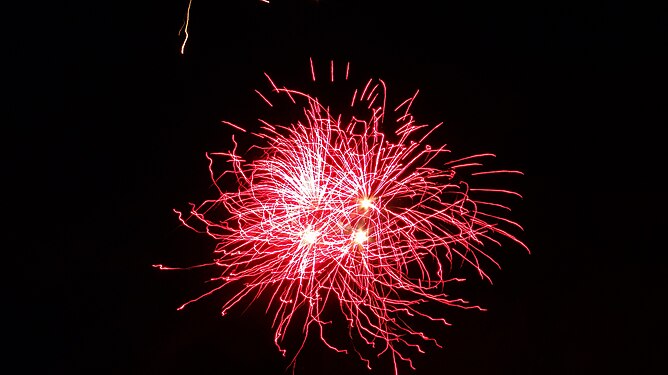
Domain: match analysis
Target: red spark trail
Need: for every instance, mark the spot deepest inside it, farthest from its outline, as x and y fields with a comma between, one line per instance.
x=335, y=214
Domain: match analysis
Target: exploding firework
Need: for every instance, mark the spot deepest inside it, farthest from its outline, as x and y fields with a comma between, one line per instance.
x=334, y=217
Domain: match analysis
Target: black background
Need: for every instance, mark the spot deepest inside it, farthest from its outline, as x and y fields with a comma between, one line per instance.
x=108, y=125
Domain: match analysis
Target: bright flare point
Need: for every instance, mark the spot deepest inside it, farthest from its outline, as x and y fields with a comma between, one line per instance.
x=360, y=237
x=310, y=236
x=366, y=203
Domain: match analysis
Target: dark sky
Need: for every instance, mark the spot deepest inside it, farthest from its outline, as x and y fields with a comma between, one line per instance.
x=108, y=125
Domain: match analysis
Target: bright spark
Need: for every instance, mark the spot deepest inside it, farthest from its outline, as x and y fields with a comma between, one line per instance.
x=310, y=236
x=360, y=237
x=366, y=203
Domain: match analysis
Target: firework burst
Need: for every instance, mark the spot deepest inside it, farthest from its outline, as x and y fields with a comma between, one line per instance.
x=336, y=215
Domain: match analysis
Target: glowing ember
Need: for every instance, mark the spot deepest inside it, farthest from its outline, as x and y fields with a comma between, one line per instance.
x=345, y=228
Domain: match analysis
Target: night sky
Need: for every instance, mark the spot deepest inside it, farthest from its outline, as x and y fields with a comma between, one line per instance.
x=108, y=125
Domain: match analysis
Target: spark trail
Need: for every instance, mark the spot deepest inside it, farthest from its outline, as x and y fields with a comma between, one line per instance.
x=185, y=27
x=336, y=215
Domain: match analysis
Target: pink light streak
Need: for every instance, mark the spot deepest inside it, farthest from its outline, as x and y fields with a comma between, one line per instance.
x=336, y=215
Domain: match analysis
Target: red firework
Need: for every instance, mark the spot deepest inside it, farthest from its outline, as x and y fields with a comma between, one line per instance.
x=335, y=215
